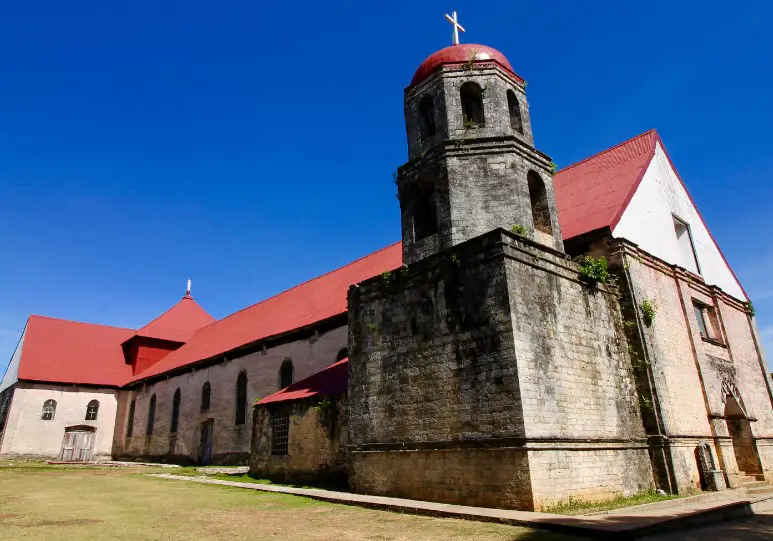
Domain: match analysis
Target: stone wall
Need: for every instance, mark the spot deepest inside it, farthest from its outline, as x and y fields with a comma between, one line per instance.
x=492, y=353
x=316, y=445
x=231, y=442
x=28, y=435
x=689, y=371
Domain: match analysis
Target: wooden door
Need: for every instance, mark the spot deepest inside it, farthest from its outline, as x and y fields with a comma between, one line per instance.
x=205, y=445
x=77, y=445
x=68, y=447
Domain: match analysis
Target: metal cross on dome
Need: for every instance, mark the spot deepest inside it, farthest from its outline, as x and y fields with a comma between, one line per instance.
x=454, y=21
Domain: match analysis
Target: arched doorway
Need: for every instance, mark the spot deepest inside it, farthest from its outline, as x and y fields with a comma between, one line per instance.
x=78, y=444
x=740, y=431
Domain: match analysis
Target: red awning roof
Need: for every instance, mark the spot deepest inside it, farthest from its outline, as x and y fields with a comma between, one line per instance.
x=178, y=323
x=318, y=299
x=592, y=194
x=332, y=380
x=61, y=351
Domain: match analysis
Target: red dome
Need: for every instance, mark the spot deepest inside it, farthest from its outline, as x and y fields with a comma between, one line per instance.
x=456, y=54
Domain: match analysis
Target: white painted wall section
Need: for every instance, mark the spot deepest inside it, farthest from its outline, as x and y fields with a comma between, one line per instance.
x=26, y=434
x=648, y=221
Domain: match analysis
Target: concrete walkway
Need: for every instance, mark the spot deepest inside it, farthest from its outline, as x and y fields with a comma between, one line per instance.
x=638, y=522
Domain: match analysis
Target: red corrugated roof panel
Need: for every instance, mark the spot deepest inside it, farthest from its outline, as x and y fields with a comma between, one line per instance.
x=178, y=323
x=593, y=193
x=332, y=380
x=315, y=300
x=62, y=351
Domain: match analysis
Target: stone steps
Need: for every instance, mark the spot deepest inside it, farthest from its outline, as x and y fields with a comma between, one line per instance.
x=763, y=489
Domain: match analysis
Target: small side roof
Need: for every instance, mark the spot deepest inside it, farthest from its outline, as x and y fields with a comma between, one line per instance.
x=332, y=380
x=62, y=351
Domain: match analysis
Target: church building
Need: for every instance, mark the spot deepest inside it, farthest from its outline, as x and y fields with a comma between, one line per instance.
x=536, y=336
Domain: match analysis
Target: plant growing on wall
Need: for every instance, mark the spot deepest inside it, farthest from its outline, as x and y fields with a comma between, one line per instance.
x=648, y=311
x=752, y=311
x=594, y=270
x=552, y=166
x=519, y=230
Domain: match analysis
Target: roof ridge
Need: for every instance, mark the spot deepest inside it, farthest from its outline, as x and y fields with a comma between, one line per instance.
x=303, y=283
x=80, y=322
x=175, y=305
x=601, y=153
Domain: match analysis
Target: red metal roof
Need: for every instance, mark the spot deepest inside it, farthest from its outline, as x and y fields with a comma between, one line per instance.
x=460, y=54
x=320, y=298
x=178, y=323
x=332, y=380
x=592, y=194
x=57, y=350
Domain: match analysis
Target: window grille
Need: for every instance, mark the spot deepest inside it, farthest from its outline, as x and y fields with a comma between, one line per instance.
x=92, y=410
x=280, y=433
x=49, y=410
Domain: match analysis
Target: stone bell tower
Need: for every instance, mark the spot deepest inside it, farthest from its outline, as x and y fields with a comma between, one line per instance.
x=472, y=163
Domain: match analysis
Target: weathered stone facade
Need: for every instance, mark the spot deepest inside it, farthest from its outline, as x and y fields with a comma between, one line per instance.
x=309, y=352
x=472, y=175
x=493, y=352
x=693, y=380
x=316, y=447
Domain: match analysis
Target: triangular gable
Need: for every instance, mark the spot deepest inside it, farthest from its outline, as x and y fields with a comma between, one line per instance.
x=178, y=323
x=11, y=375
x=648, y=220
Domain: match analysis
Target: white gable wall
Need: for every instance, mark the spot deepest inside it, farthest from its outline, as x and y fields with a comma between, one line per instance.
x=648, y=222
x=12, y=372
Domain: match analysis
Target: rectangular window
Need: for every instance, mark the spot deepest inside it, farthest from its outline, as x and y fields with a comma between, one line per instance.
x=699, y=317
x=708, y=322
x=686, y=246
x=280, y=432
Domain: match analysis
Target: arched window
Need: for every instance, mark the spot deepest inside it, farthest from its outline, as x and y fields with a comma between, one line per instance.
x=151, y=416
x=175, y=411
x=540, y=210
x=421, y=208
x=426, y=118
x=49, y=410
x=92, y=410
x=286, y=374
x=206, y=391
x=130, y=423
x=516, y=122
x=343, y=354
x=472, y=105
x=241, y=398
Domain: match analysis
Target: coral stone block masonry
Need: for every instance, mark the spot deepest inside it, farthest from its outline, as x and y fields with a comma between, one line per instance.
x=484, y=360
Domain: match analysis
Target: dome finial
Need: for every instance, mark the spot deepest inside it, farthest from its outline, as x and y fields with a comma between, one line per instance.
x=454, y=21
x=188, y=289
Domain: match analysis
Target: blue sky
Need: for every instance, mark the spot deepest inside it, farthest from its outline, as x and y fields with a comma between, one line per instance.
x=250, y=146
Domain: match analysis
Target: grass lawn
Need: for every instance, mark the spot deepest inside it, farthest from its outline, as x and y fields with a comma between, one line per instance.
x=51, y=502
x=574, y=507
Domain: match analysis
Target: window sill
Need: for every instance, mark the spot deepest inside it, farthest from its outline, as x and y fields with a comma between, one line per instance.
x=713, y=341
